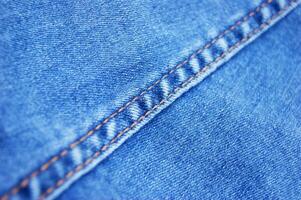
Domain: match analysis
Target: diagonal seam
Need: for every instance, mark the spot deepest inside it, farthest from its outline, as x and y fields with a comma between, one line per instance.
x=44, y=167
x=64, y=152
x=207, y=67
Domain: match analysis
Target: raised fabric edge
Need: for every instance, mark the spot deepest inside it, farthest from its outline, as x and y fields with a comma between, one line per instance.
x=164, y=100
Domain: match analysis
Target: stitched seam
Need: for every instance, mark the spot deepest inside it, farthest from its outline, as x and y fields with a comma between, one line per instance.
x=63, y=153
x=162, y=102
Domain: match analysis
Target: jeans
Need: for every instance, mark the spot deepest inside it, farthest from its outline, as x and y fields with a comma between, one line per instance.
x=210, y=92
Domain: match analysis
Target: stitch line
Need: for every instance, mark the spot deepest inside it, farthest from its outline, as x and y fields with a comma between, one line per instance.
x=64, y=152
x=24, y=183
x=162, y=102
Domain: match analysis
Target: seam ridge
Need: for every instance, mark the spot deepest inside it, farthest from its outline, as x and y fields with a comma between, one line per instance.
x=105, y=147
x=26, y=181
x=64, y=152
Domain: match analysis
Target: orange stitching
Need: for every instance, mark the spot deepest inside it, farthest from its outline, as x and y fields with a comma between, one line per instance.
x=162, y=102
x=64, y=152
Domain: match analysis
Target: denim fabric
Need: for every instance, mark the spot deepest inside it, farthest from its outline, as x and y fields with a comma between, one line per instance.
x=237, y=135
x=79, y=78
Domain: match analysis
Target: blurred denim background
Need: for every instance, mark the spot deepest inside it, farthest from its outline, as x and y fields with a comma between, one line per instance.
x=65, y=66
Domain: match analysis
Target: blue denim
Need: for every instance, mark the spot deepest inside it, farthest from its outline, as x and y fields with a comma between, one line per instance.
x=79, y=78
x=234, y=136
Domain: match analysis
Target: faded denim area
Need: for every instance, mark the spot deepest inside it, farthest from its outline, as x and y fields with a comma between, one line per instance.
x=66, y=65
x=237, y=135
x=96, y=74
